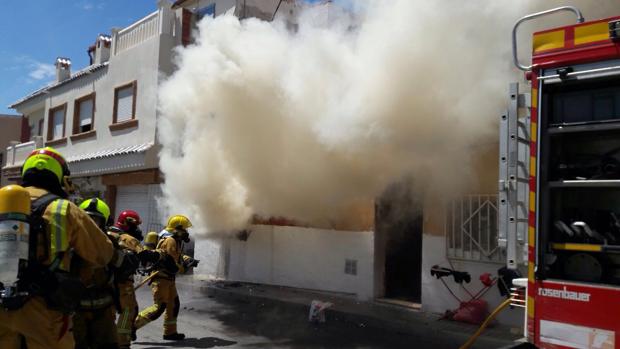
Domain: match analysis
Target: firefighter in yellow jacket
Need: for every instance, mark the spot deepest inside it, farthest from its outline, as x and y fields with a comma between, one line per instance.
x=94, y=324
x=40, y=313
x=126, y=231
x=165, y=297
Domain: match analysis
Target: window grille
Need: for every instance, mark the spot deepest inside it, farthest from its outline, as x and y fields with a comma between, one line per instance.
x=471, y=229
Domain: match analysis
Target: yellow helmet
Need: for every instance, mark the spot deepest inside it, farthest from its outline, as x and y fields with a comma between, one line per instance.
x=96, y=206
x=47, y=159
x=98, y=211
x=150, y=241
x=178, y=221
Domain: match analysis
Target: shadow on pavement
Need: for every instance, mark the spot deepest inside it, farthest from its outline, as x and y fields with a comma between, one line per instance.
x=199, y=343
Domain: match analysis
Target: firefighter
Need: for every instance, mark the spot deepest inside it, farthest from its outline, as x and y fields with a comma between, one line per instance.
x=94, y=325
x=47, y=290
x=126, y=231
x=150, y=241
x=165, y=297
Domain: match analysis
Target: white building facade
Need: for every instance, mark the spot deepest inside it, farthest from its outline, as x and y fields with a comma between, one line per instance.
x=103, y=118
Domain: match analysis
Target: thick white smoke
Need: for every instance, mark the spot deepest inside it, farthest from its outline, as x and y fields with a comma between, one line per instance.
x=259, y=120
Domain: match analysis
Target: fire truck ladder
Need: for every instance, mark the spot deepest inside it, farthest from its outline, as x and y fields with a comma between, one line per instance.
x=513, y=195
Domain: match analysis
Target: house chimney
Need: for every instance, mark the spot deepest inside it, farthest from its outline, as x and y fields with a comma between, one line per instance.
x=63, y=69
x=102, y=48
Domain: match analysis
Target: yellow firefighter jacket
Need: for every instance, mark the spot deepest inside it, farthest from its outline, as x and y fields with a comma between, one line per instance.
x=70, y=228
x=171, y=247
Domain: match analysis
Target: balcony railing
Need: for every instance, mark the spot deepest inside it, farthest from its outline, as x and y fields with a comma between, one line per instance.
x=137, y=33
x=16, y=154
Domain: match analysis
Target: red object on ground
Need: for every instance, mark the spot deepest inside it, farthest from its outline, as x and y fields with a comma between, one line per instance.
x=486, y=279
x=473, y=312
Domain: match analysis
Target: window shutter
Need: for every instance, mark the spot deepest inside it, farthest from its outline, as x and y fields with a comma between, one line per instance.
x=59, y=118
x=86, y=112
x=124, y=104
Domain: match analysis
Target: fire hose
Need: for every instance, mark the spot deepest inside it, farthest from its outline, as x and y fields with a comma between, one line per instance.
x=147, y=279
x=486, y=322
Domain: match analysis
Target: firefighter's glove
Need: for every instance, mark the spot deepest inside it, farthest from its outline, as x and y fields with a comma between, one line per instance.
x=169, y=265
x=149, y=257
x=189, y=262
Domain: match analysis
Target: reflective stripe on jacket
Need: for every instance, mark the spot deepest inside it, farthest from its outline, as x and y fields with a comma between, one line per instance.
x=71, y=228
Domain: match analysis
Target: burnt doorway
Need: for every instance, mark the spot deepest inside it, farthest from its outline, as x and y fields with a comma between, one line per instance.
x=399, y=222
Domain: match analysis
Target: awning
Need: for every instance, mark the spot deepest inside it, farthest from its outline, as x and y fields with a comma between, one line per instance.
x=123, y=159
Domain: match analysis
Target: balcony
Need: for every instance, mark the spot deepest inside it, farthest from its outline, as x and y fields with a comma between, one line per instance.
x=136, y=33
x=16, y=154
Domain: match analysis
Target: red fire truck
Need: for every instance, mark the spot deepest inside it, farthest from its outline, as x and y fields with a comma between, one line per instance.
x=572, y=238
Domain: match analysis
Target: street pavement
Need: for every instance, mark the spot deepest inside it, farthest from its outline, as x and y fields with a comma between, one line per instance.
x=214, y=322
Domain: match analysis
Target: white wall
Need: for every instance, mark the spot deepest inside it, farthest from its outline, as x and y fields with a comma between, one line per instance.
x=33, y=121
x=304, y=258
x=212, y=254
x=138, y=63
x=435, y=297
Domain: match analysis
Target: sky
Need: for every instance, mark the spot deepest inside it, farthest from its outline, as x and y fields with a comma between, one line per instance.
x=33, y=33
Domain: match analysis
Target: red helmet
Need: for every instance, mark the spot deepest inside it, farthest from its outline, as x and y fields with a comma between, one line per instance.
x=128, y=218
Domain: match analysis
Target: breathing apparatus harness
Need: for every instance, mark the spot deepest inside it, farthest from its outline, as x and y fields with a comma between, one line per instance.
x=60, y=289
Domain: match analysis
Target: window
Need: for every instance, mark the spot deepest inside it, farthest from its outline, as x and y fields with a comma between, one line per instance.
x=56, y=125
x=84, y=114
x=40, y=128
x=208, y=10
x=471, y=229
x=125, y=102
x=32, y=130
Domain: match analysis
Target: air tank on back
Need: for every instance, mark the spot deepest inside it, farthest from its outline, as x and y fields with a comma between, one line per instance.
x=14, y=233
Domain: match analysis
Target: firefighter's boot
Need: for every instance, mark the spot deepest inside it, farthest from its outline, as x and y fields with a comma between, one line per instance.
x=174, y=337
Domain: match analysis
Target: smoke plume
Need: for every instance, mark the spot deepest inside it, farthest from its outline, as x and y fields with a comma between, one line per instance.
x=263, y=120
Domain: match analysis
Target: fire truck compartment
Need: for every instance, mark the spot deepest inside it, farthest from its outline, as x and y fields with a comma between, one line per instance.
x=591, y=155
x=579, y=173
x=579, y=102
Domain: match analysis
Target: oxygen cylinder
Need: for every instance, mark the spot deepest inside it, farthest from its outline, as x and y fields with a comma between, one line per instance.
x=14, y=231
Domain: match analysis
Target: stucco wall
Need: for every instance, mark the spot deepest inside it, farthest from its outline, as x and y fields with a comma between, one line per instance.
x=138, y=63
x=304, y=258
x=212, y=254
x=33, y=121
x=435, y=297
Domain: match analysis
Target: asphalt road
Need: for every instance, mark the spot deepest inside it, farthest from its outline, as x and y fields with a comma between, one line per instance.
x=211, y=323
